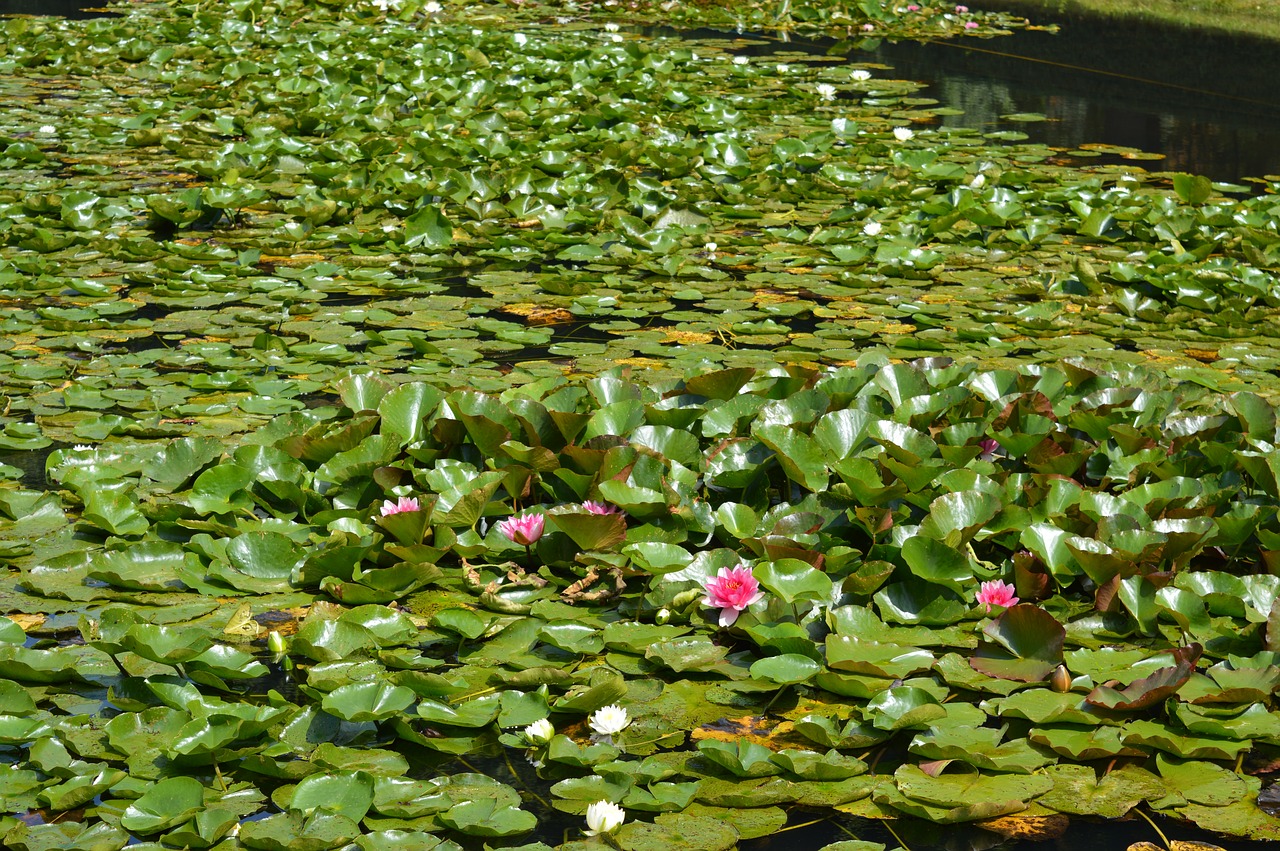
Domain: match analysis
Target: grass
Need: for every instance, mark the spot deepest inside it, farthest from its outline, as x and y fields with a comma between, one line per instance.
x=1257, y=18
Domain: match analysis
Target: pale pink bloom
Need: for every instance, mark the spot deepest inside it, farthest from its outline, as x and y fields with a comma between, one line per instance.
x=400, y=506
x=960, y=10
x=971, y=25
x=996, y=593
x=732, y=591
x=524, y=529
x=593, y=507
x=913, y=8
x=868, y=27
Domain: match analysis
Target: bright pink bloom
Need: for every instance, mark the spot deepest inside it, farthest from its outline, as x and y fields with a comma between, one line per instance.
x=400, y=506
x=960, y=10
x=524, y=529
x=996, y=593
x=913, y=8
x=971, y=25
x=594, y=507
x=988, y=447
x=731, y=592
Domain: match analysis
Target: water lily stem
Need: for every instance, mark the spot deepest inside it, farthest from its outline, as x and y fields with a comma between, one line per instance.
x=217, y=772
x=528, y=788
x=1154, y=827
x=803, y=824
x=895, y=835
x=777, y=694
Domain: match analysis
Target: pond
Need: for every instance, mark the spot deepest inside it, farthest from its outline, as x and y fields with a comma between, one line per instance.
x=439, y=418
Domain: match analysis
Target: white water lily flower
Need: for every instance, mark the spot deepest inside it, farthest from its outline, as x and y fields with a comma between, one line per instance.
x=385, y=5
x=741, y=60
x=609, y=720
x=611, y=27
x=520, y=39
x=872, y=228
x=539, y=732
x=902, y=134
x=826, y=91
x=433, y=8
x=604, y=817
x=860, y=75
x=48, y=128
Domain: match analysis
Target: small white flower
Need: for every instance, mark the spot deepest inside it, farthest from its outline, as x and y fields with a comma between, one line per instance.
x=711, y=247
x=902, y=134
x=979, y=181
x=539, y=732
x=872, y=228
x=860, y=75
x=520, y=39
x=615, y=38
x=385, y=5
x=741, y=60
x=604, y=817
x=826, y=91
x=48, y=128
x=611, y=27
x=433, y=8
x=609, y=720
x=82, y=447
x=783, y=68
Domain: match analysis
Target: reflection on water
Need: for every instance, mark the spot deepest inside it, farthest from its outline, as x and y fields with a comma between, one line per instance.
x=74, y=9
x=1209, y=105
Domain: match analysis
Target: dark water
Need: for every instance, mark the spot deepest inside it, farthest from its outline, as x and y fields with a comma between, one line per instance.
x=1211, y=105
x=74, y=9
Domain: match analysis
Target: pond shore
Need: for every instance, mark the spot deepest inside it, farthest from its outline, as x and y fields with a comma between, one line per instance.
x=1251, y=18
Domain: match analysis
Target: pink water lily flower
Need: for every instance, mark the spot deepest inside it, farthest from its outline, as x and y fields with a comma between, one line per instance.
x=592, y=506
x=524, y=529
x=996, y=593
x=732, y=591
x=402, y=505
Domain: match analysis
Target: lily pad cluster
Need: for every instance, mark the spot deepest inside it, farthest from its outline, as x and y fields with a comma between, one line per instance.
x=304, y=303
x=210, y=214
x=1136, y=522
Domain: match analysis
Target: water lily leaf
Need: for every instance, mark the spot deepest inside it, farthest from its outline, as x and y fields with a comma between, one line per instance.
x=800, y=455
x=428, y=229
x=1083, y=743
x=809, y=765
x=294, y=831
x=981, y=748
x=671, y=831
x=934, y=561
x=165, y=804
x=893, y=661
x=473, y=713
x=115, y=513
x=1030, y=645
x=1150, y=734
x=66, y=836
x=592, y=531
x=952, y=790
x=687, y=654
x=791, y=580
x=345, y=793
x=1201, y=782
x=360, y=702
x=902, y=707
x=785, y=669
x=1077, y=789
x=1149, y=690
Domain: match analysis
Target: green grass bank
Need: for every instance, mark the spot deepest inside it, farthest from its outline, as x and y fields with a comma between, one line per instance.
x=1256, y=18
